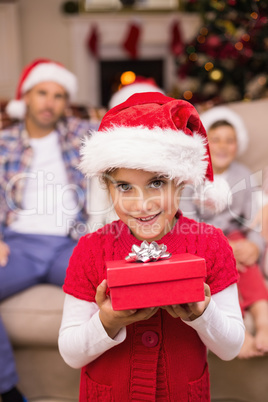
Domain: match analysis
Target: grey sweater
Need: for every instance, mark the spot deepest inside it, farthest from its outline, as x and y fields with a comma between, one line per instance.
x=236, y=216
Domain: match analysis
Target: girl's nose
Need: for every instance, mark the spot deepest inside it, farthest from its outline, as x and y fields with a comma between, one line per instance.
x=143, y=203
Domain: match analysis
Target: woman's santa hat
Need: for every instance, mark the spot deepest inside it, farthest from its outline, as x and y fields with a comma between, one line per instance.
x=223, y=113
x=155, y=133
x=141, y=84
x=40, y=70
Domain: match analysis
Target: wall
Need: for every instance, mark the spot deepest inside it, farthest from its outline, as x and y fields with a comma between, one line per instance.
x=30, y=29
x=10, y=54
x=44, y=31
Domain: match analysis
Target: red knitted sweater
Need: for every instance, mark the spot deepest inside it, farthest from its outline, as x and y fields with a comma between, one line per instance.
x=175, y=368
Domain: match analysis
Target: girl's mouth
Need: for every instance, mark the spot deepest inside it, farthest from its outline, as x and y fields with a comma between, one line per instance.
x=148, y=218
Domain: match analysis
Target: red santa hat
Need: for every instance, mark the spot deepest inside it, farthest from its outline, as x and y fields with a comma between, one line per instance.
x=141, y=84
x=38, y=71
x=224, y=113
x=155, y=133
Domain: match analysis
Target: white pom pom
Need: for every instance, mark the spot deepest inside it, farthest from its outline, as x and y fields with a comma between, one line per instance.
x=16, y=109
x=215, y=196
x=123, y=94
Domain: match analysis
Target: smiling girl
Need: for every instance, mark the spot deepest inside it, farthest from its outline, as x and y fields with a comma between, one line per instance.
x=145, y=150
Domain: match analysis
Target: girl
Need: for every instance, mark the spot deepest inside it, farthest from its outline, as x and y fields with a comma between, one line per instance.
x=227, y=136
x=146, y=149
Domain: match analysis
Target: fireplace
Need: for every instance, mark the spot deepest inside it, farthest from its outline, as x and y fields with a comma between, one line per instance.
x=96, y=74
x=111, y=71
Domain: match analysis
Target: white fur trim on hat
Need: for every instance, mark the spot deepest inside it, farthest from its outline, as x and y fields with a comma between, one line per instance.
x=218, y=113
x=124, y=93
x=169, y=152
x=214, y=196
x=51, y=72
x=16, y=109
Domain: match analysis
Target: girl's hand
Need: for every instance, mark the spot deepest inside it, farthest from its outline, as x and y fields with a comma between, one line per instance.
x=190, y=311
x=4, y=253
x=113, y=321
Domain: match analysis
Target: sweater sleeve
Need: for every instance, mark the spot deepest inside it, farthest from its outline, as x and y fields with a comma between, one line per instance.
x=82, y=276
x=221, y=265
x=82, y=337
x=250, y=206
x=221, y=326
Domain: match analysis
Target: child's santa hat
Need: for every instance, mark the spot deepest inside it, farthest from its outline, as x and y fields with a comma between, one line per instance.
x=141, y=84
x=154, y=133
x=223, y=113
x=38, y=71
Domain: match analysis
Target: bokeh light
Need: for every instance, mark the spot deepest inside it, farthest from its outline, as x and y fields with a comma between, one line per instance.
x=216, y=75
x=127, y=77
x=188, y=95
x=209, y=66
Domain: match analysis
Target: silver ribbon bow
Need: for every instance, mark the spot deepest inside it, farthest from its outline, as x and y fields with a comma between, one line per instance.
x=148, y=252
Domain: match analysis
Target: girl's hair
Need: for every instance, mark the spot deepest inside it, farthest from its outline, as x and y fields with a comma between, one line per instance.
x=105, y=178
x=220, y=123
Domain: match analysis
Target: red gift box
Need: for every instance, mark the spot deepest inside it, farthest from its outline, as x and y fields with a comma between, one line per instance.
x=177, y=280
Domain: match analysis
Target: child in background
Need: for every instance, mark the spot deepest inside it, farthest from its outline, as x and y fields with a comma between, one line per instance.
x=146, y=148
x=227, y=138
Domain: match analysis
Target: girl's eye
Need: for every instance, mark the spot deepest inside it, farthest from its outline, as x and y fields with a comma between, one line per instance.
x=124, y=187
x=156, y=184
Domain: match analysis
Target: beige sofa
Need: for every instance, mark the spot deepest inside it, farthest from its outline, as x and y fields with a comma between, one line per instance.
x=33, y=317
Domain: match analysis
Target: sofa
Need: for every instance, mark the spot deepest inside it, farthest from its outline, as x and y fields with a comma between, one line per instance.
x=239, y=380
x=33, y=317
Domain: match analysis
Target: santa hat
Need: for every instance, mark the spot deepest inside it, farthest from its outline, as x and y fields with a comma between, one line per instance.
x=220, y=113
x=140, y=85
x=40, y=70
x=155, y=133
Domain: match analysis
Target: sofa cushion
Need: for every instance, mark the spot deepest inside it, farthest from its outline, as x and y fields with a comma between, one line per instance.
x=33, y=317
x=239, y=379
x=44, y=376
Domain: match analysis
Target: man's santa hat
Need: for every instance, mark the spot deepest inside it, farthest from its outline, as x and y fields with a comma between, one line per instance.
x=155, y=133
x=141, y=84
x=38, y=71
x=224, y=113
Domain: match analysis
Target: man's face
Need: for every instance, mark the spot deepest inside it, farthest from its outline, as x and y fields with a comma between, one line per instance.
x=45, y=103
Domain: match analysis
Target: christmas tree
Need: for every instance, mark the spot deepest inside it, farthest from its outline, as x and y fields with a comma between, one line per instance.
x=228, y=58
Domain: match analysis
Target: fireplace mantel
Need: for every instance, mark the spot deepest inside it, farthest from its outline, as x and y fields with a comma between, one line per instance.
x=112, y=29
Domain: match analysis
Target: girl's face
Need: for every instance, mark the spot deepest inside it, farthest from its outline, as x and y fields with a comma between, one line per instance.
x=223, y=147
x=145, y=202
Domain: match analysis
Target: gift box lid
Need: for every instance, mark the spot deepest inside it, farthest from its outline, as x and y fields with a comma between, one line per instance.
x=178, y=266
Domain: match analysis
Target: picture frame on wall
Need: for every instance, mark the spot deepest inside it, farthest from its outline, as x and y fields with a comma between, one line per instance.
x=135, y=5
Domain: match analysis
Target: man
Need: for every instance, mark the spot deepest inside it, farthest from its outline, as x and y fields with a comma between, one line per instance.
x=42, y=193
